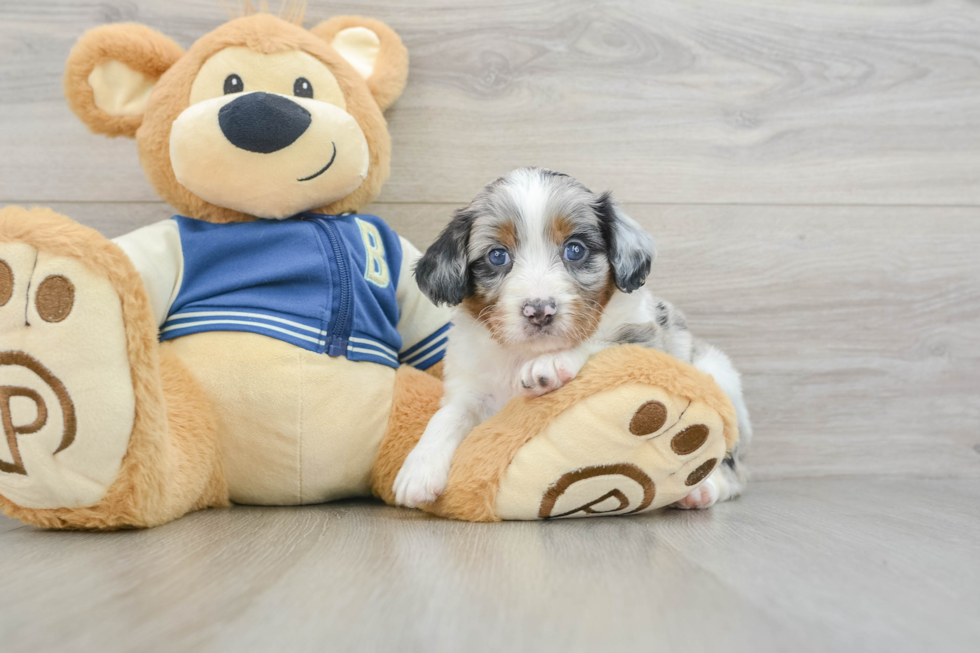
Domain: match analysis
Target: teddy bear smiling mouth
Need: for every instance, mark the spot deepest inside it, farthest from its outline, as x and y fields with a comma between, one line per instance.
x=324, y=168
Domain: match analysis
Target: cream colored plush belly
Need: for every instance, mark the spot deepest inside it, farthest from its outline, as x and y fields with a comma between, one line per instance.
x=295, y=427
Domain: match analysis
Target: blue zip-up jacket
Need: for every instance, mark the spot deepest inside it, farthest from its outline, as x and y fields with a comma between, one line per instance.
x=329, y=284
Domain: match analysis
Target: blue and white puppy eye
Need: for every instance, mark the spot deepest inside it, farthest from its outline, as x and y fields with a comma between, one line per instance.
x=574, y=251
x=498, y=257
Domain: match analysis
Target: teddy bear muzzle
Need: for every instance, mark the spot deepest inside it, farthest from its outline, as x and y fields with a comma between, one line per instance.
x=268, y=155
x=263, y=122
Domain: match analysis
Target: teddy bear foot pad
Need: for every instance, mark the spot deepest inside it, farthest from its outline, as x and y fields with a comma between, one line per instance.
x=66, y=399
x=622, y=451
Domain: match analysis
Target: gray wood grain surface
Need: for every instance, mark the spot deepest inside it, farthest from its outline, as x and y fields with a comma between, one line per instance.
x=810, y=172
x=741, y=101
x=808, y=565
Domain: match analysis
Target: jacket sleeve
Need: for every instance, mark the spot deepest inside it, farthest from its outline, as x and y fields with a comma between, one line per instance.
x=423, y=326
x=156, y=253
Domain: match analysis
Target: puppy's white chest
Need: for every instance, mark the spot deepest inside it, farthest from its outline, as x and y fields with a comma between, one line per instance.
x=498, y=387
x=483, y=378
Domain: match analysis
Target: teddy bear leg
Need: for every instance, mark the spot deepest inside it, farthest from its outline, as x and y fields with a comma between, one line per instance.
x=102, y=428
x=637, y=430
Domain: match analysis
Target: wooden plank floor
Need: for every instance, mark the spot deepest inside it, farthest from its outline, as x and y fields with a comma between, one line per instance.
x=810, y=172
x=808, y=565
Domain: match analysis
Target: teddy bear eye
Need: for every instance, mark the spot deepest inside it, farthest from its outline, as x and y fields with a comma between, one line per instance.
x=233, y=84
x=302, y=87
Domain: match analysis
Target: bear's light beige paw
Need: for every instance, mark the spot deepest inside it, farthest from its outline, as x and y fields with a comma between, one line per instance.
x=627, y=450
x=66, y=397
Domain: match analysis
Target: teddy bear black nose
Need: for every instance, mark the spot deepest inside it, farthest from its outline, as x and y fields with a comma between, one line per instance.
x=263, y=122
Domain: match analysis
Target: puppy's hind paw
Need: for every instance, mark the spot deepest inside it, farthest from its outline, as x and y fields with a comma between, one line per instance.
x=702, y=497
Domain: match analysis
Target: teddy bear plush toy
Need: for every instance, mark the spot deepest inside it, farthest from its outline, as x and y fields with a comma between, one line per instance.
x=269, y=345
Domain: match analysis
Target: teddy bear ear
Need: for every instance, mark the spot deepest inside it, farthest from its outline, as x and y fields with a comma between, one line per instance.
x=110, y=73
x=373, y=49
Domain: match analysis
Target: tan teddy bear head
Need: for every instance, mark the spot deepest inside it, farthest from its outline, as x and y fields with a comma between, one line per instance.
x=258, y=119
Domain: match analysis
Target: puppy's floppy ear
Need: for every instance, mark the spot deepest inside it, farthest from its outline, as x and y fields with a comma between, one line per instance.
x=442, y=272
x=374, y=50
x=110, y=73
x=631, y=249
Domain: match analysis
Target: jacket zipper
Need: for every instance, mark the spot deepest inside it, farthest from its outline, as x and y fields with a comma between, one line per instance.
x=337, y=341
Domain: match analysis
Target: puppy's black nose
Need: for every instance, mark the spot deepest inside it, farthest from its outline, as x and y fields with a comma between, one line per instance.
x=263, y=122
x=540, y=312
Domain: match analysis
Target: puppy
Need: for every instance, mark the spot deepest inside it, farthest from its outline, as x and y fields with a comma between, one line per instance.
x=544, y=274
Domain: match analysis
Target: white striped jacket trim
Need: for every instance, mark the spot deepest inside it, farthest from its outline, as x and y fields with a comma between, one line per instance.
x=376, y=348
x=372, y=352
x=434, y=348
x=436, y=353
x=374, y=343
x=187, y=325
x=260, y=316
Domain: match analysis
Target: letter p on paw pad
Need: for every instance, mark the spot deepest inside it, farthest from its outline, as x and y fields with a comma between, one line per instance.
x=66, y=397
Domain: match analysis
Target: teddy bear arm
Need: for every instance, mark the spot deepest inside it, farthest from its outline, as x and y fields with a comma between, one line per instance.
x=155, y=251
x=422, y=324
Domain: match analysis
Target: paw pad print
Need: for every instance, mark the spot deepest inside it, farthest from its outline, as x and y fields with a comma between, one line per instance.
x=55, y=298
x=613, y=501
x=6, y=283
x=649, y=418
x=67, y=403
x=621, y=451
x=14, y=427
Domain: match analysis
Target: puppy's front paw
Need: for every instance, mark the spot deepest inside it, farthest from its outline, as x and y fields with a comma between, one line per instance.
x=547, y=373
x=701, y=497
x=421, y=479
